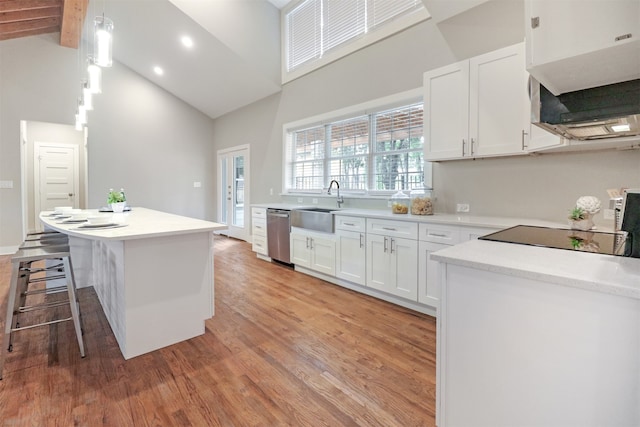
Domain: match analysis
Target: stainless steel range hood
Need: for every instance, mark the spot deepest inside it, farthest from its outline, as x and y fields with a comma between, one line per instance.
x=611, y=111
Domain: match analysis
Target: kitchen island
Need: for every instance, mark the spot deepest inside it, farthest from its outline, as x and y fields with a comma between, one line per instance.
x=152, y=272
x=533, y=336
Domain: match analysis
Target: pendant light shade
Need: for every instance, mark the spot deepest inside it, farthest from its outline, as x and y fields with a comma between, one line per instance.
x=79, y=126
x=82, y=113
x=95, y=77
x=103, y=41
x=87, y=97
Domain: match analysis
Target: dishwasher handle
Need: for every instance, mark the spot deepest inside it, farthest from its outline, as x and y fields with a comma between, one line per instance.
x=278, y=215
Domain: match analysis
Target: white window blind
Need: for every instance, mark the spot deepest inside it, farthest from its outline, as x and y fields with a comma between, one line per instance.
x=304, y=33
x=343, y=21
x=381, y=11
x=317, y=26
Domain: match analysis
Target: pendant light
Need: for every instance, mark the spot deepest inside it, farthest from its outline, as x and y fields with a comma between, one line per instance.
x=87, y=96
x=95, y=77
x=103, y=41
x=79, y=125
x=82, y=112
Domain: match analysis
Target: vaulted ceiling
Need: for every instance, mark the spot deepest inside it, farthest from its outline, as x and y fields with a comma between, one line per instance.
x=21, y=18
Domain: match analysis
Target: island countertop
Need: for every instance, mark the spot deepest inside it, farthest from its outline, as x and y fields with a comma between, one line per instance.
x=139, y=223
x=609, y=274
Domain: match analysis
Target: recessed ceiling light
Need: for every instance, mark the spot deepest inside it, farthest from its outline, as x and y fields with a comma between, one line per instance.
x=159, y=71
x=621, y=128
x=187, y=41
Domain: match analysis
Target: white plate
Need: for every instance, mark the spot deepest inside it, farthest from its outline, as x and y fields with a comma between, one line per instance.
x=74, y=221
x=106, y=225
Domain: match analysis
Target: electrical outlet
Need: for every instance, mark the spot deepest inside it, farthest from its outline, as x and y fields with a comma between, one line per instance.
x=197, y=184
x=314, y=201
x=271, y=191
x=462, y=207
x=609, y=214
x=299, y=199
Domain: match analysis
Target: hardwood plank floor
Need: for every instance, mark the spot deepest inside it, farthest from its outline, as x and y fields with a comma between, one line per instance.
x=282, y=349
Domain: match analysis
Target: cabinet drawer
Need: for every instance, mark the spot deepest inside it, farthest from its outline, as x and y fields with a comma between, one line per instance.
x=385, y=227
x=350, y=223
x=437, y=233
x=259, y=227
x=259, y=213
x=260, y=245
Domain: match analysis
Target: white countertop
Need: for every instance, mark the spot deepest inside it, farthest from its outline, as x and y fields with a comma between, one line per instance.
x=139, y=223
x=601, y=273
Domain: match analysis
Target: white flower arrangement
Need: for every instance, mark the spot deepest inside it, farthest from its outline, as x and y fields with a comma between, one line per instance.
x=589, y=204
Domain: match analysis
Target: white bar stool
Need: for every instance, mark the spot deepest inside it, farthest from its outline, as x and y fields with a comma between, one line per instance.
x=21, y=271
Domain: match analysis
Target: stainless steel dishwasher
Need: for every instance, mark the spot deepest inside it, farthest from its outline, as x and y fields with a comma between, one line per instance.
x=278, y=228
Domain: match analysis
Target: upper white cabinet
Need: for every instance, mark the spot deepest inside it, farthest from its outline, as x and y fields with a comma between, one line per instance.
x=478, y=107
x=573, y=45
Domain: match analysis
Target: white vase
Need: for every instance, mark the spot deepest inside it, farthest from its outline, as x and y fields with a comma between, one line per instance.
x=118, y=207
x=582, y=224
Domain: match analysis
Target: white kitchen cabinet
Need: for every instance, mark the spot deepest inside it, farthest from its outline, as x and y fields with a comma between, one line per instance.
x=434, y=237
x=316, y=251
x=573, y=46
x=351, y=249
x=478, y=107
x=259, y=231
x=392, y=262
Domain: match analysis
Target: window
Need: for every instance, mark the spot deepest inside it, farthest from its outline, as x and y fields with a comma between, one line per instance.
x=378, y=152
x=315, y=28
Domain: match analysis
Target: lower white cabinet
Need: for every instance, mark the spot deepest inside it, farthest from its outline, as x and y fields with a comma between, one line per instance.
x=429, y=286
x=259, y=231
x=392, y=265
x=314, y=251
x=351, y=256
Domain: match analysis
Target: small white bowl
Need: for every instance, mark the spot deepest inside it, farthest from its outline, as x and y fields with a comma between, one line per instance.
x=62, y=209
x=98, y=220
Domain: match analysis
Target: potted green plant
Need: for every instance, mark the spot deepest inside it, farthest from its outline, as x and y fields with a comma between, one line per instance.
x=581, y=216
x=116, y=200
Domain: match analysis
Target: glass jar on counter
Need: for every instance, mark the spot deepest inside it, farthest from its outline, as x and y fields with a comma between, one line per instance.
x=400, y=203
x=421, y=203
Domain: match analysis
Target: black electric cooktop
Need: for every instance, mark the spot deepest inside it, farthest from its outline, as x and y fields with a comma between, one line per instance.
x=573, y=240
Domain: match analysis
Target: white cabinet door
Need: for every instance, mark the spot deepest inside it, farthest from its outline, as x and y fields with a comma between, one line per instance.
x=323, y=255
x=574, y=45
x=300, y=250
x=446, y=112
x=377, y=261
x=351, y=256
x=428, y=280
x=392, y=265
x=404, y=262
x=499, y=106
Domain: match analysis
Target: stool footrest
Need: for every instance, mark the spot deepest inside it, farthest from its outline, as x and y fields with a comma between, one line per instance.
x=46, y=291
x=28, y=308
x=51, y=322
x=47, y=278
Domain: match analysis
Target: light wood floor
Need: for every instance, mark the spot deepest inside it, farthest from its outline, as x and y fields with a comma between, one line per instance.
x=282, y=349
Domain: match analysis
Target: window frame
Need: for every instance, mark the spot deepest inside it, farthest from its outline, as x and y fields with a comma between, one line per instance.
x=373, y=107
x=394, y=26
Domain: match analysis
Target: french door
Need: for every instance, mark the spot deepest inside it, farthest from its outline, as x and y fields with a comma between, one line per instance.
x=233, y=191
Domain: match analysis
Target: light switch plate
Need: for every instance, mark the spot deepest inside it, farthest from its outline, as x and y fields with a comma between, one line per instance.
x=462, y=207
x=197, y=184
x=6, y=184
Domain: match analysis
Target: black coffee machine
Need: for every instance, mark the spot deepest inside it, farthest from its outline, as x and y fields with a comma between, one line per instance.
x=631, y=223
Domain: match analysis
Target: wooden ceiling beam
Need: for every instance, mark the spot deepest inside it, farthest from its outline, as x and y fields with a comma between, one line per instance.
x=73, y=15
x=21, y=5
x=32, y=25
x=26, y=33
x=29, y=14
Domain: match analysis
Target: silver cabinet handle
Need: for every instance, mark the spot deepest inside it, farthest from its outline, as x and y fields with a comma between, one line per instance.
x=350, y=224
x=361, y=240
x=392, y=241
x=523, y=144
x=463, y=145
x=307, y=243
x=310, y=242
x=389, y=229
x=385, y=244
x=472, y=141
x=258, y=226
x=438, y=235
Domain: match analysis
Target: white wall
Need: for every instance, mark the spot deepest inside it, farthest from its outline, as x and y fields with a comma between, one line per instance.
x=542, y=187
x=140, y=137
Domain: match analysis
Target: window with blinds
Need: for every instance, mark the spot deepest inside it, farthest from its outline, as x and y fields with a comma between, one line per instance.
x=315, y=27
x=378, y=152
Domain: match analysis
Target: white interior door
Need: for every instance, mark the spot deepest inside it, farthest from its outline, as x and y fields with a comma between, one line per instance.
x=56, y=176
x=233, y=191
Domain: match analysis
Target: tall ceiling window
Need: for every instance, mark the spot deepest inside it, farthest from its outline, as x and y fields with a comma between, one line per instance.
x=378, y=152
x=317, y=28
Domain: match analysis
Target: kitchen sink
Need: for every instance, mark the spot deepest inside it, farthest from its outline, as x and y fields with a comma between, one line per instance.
x=318, y=219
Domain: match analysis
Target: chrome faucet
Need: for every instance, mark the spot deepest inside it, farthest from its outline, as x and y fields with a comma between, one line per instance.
x=340, y=200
